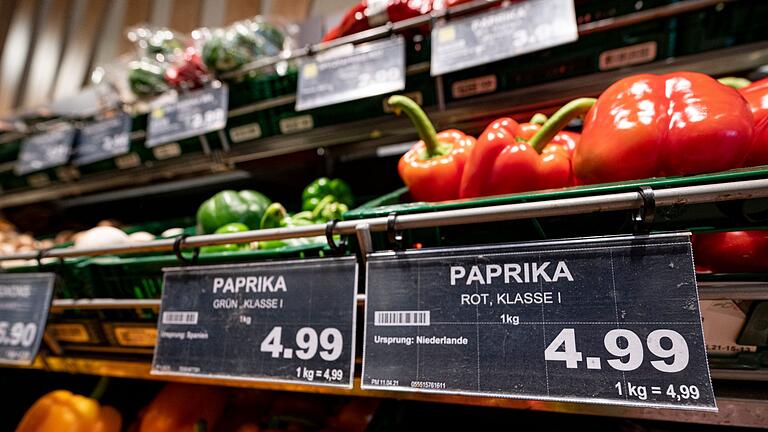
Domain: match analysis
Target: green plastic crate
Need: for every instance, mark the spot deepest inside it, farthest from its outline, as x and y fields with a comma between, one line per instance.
x=142, y=277
x=723, y=25
x=612, y=49
x=700, y=217
x=72, y=281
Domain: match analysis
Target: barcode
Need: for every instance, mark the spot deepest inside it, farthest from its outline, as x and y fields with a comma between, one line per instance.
x=180, y=318
x=401, y=318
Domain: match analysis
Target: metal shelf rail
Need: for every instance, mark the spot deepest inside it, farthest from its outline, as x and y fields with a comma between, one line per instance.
x=738, y=190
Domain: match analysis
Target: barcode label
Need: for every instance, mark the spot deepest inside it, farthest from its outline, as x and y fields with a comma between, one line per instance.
x=631, y=55
x=189, y=318
x=401, y=318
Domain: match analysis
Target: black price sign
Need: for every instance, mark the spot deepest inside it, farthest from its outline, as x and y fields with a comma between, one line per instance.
x=47, y=150
x=612, y=321
x=24, y=303
x=351, y=72
x=103, y=140
x=517, y=29
x=192, y=114
x=290, y=321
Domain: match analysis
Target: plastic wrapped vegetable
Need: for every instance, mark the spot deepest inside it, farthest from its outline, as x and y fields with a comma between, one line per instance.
x=166, y=60
x=228, y=206
x=228, y=49
x=146, y=78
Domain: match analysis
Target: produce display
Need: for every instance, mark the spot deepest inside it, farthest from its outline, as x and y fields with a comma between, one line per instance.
x=229, y=211
x=641, y=127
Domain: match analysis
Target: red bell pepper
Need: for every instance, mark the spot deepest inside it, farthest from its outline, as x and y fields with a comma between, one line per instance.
x=371, y=13
x=432, y=168
x=511, y=157
x=756, y=95
x=731, y=252
x=659, y=125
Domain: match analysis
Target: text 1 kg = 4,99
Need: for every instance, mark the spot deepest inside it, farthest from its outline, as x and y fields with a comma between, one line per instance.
x=286, y=321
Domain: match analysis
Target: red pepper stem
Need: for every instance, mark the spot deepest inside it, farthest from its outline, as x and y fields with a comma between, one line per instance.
x=559, y=120
x=420, y=121
x=100, y=389
x=735, y=82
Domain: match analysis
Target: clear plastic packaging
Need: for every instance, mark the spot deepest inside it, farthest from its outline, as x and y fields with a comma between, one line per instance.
x=229, y=49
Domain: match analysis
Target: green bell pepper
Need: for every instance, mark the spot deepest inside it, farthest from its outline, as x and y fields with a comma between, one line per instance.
x=328, y=209
x=229, y=228
x=246, y=207
x=277, y=217
x=322, y=187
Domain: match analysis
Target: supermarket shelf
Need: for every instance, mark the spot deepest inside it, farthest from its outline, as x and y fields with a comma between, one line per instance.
x=739, y=374
x=363, y=138
x=733, y=290
x=733, y=411
x=707, y=193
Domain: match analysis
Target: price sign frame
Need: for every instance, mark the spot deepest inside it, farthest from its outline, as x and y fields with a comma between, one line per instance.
x=185, y=106
x=563, y=321
x=65, y=137
x=501, y=33
x=38, y=289
x=351, y=72
x=244, y=304
x=98, y=134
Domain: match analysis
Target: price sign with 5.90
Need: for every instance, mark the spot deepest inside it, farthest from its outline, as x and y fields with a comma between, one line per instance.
x=24, y=303
x=290, y=321
x=192, y=114
x=611, y=320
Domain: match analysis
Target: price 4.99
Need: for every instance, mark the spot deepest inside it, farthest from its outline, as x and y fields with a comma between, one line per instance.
x=18, y=333
x=329, y=342
x=627, y=345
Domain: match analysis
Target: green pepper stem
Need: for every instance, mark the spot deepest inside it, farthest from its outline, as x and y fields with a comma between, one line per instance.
x=735, y=82
x=420, y=121
x=559, y=120
x=100, y=389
